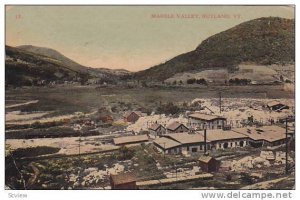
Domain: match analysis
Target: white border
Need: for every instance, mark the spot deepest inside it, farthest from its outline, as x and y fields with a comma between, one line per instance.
x=99, y=194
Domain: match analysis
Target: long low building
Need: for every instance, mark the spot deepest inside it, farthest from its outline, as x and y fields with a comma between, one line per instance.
x=187, y=143
x=167, y=145
x=264, y=136
x=220, y=139
x=135, y=139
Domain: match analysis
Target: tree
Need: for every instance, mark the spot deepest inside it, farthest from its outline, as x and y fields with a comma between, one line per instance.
x=191, y=81
x=144, y=84
x=125, y=152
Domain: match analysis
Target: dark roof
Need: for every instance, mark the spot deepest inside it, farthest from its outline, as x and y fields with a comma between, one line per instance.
x=123, y=178
x=175, y=125
x=139, y=113
x=275, y=103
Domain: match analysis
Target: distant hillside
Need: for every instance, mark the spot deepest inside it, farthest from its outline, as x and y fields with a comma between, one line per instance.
x=30, y=65
x=26, y=68
x=262, y=41
x=53, y=54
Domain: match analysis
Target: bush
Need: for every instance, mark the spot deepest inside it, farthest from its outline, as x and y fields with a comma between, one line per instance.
x=201, y=81
x=191, y=81
x=34, y=151
x=125, y=153
x=168, y=108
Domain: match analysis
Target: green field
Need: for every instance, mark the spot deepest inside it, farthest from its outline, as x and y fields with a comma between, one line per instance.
x=70, y=99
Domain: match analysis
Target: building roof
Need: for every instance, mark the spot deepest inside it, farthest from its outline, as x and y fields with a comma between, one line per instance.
x=206, y=117
x=139, y=113
x=175, y=125
x=166, y=143
x=155, y=126
x=130, y=139
x=123, y=178
x=219, y=134
x=186, y=138
x=274, y=103
x=205, y=159
x=267, y=133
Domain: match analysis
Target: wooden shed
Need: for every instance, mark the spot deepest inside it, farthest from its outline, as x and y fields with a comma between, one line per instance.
x=209, y=164
x=124, y=181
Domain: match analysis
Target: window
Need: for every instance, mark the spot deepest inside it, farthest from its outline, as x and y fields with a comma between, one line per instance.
x=241, y=143
x=201, y=148
x=194, y=149
x=188, y=148
x=225, y=145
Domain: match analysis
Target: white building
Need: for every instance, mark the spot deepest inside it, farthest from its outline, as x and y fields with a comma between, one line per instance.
x=199, y=121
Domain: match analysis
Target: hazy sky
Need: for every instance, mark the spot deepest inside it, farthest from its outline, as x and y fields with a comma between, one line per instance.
x=127, y=37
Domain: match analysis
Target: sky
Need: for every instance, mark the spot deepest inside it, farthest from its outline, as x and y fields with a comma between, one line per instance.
x=127, y=37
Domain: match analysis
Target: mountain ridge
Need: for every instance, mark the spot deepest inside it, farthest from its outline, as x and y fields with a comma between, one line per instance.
x=268, y=40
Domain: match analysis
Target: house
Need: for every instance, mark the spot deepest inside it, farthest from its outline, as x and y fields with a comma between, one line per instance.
x=123, y=181
x=133, y=116
x=264, y=136
x=189, y=143
x=157, y=130
x=209, y=164
x=220, y=139
x=167, y=145
x=277, y=106
x=199, y=121
x=136, y=139
x=176, y=127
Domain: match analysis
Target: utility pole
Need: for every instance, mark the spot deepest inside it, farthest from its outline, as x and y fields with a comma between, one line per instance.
x=175, y=170
x=205, y=141
x=286, y=146
x=220, y=101
x=164, y=150
x=79, y=141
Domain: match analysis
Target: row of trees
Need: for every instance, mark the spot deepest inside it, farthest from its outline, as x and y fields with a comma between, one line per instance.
x=200, y=81
x=238, y=81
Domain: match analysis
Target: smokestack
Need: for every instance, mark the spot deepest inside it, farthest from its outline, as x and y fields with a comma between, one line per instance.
x=204, y=141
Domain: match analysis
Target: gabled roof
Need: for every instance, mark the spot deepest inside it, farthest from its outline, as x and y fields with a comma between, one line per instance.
x=205, y=159
x=139, y=113
x=130, y=139
x=186, y=138
x=155, y=126
x=166, y=143
x=175, y=125
x=267, y=133
x=206, y=117
x=123, y=178
x=219, y=134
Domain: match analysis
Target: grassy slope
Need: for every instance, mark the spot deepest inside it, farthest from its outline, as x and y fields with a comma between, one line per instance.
x=262, y=41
